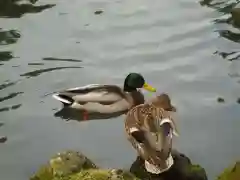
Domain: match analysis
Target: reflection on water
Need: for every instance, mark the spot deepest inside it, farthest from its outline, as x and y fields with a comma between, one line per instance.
x=10, y=96
x=61, y=59
x=235, y=37
x=13, y=107
x=224, y=6
x=77, y=115
x=231, y=56
x=9, y=37
x=14, y=9
x=231, y=32
x=5, y=55
x=40, y=71
x=7, y=84
x=171, y=43
x=3, y=139
x=1, y=124
x=35, y=64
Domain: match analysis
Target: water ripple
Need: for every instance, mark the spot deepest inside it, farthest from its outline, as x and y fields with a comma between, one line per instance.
x=231, y=56
x=14, y=107
x=5, y=55
x=7, y=84
x=224, y=6
x=35, y=64
x=40, y=71
x=10, y=96
x=9, y=37
x=1, y=124
x=13, y=9
x=234, y=37
x=61, y=59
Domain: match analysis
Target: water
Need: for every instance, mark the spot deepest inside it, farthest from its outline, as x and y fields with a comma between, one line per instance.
x=186, y=48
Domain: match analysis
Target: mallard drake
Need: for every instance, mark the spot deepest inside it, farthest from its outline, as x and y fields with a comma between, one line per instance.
x=106, y=98
x=150, y=129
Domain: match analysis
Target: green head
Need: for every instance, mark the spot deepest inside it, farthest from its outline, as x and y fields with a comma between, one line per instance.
x=134, y=81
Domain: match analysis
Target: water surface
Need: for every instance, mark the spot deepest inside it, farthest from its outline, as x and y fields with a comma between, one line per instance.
x=186, y=48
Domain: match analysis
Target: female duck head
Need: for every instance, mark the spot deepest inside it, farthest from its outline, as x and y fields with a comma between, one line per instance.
x=134, y=81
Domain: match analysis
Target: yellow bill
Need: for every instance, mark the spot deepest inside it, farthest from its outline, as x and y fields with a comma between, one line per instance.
x=149, y=88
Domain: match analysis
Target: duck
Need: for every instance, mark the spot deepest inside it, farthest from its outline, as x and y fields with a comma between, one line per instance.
x=150, y=129
x=106, y=98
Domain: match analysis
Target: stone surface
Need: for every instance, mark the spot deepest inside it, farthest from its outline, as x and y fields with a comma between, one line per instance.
x=69, y=162
x=71, y=165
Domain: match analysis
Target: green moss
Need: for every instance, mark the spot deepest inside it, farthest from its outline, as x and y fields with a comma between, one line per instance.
x=69, y=162
x=231, y=173
x=195, y=171
x=44, y=173
x=128, y=176
x=93, y=174
x=195, y=168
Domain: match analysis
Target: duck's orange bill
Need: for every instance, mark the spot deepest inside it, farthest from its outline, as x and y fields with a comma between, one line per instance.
x=149, y=88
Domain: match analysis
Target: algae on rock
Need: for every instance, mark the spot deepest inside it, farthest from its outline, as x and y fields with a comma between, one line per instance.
x=71, y=165
x=232, y=173
x=69, y=162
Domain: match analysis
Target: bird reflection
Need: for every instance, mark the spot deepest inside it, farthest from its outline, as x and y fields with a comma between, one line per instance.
x=78, y=115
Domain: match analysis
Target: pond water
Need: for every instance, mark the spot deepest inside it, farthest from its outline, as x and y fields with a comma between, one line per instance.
x=186, y=48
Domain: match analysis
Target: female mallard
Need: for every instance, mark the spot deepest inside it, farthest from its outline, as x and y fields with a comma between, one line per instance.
x=106, y=98
x=150, y=129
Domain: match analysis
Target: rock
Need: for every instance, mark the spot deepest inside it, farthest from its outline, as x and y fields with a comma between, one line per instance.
x=182, y=168
x=103, y=174
x=232, y=173
x=236, y=16
x=69, y=162
x=1, y=124
x=64, y=164
x=71, y=165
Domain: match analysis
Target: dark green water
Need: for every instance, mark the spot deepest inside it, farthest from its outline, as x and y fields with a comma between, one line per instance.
x=186, y=48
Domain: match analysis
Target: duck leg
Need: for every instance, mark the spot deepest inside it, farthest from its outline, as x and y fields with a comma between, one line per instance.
x=85, y=115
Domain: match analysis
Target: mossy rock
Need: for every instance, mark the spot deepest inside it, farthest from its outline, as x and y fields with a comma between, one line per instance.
x=195, y=172
x=92, y=174
x=64, y=164
x=101, y=174
x=69, y=162
x=232, y=173
x=71, y=165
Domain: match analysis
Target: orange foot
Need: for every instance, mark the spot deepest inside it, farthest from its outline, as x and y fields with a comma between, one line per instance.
x=85, y=115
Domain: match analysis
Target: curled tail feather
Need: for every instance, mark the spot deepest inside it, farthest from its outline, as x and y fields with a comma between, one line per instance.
x=66, y=100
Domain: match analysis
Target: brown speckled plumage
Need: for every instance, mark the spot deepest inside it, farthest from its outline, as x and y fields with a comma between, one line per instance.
x=145, y=117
